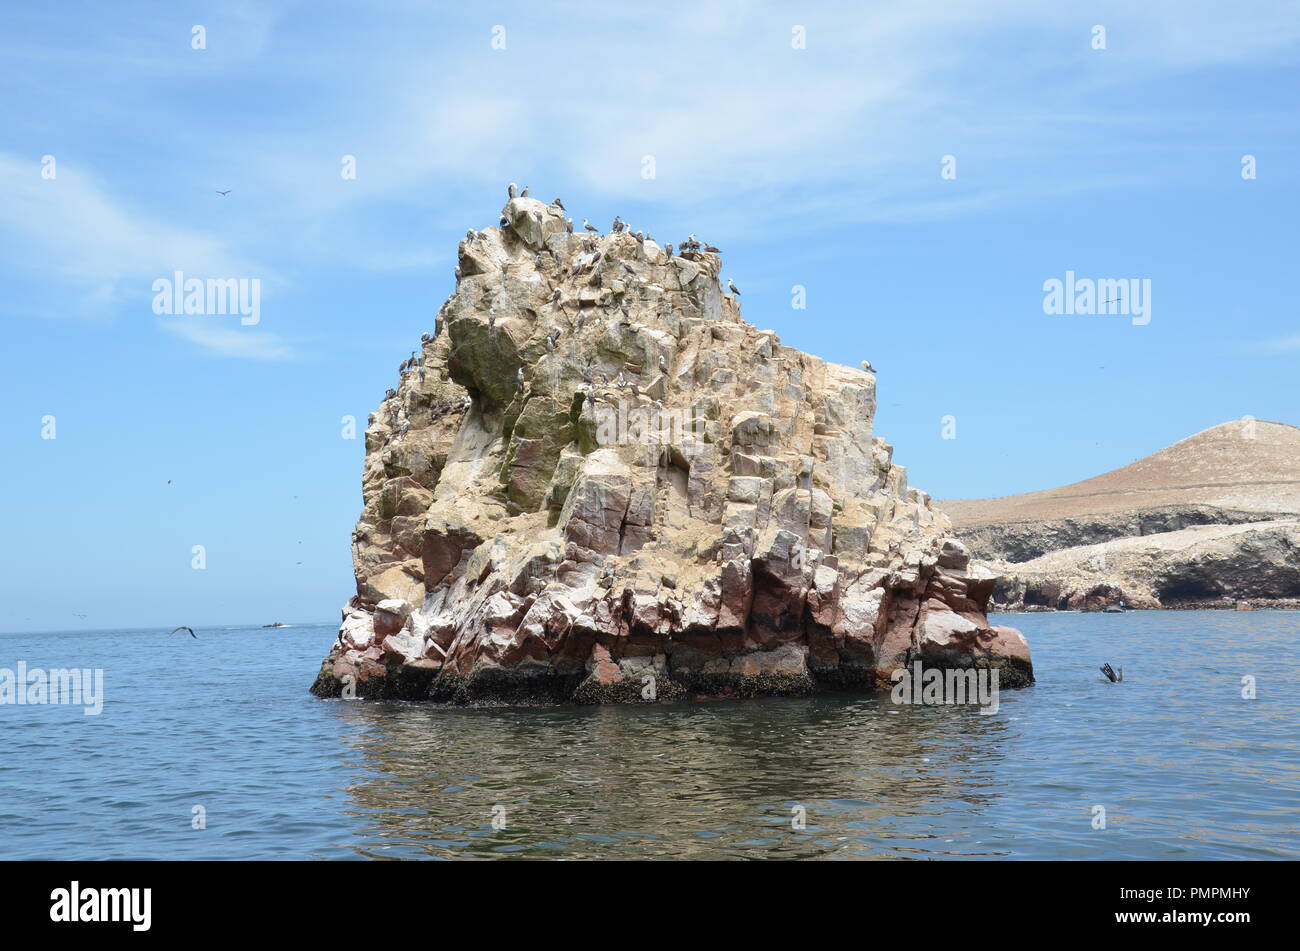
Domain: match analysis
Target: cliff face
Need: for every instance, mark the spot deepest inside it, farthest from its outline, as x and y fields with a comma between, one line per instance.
x=1207, y=521
x=596, y=482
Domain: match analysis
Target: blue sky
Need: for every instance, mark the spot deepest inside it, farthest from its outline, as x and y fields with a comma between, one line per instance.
x=817, y=167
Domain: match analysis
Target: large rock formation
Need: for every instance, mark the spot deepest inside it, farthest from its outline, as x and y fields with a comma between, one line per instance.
x=598, y=483
x=1208, y=521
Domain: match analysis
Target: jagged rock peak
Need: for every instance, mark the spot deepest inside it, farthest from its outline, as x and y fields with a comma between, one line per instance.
x=596, y=482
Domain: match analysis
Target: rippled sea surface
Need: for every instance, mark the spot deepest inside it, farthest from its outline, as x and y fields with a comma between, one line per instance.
x=1182, y=764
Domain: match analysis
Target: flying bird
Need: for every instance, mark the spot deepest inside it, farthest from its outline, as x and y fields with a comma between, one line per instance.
x=223, y=194
x=182, y=628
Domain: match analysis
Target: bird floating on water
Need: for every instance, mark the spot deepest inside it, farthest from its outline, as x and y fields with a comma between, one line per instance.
x=1110, y=673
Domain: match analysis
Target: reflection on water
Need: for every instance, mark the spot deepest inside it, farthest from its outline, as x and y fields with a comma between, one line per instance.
x=698, y=780
x=1183, y=766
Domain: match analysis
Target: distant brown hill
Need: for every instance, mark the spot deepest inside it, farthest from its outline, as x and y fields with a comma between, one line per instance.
x=1209, y=520
x=1240, y=465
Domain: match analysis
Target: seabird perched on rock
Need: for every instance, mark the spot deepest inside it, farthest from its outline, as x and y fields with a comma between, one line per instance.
x=620, y=382
x=550, y=345
x=466, y=402
x=692, y=239
x=568, y=225
x=504, y=222
x=555, y=296
x=732, y=286
x=524, y=193
x=589, y=226
x=470, y=235
x=618, y=224
x=711, y=249
x=866, y=365
x=389, y=393
x=519, y=377
x=492, y=317
x=458, y=274
x=663, y=364
x=538, y=216
x=426, y=337
x=668, y=249
x=512, y=189
x=559, y=204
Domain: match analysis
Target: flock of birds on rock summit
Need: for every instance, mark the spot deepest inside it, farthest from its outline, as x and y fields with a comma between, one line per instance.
x=691, y=243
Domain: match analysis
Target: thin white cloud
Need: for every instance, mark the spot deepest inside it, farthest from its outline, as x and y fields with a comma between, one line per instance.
x=222, y=339
x=1281, y=345
x=71, y=229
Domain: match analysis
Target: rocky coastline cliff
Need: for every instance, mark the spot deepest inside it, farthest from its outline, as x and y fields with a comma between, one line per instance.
x=595, y=482
x=1212, y=521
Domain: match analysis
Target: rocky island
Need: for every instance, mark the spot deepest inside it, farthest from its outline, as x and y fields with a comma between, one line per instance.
x=595, y=482
x=1212, y=521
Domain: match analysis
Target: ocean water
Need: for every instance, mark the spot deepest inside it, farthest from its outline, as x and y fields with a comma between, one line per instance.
x=1184, y=767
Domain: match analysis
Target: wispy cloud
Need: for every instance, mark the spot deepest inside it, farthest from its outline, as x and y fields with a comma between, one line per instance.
x=745, y=131
x=72, y=230
x=248, y=343
x=1281, y=345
